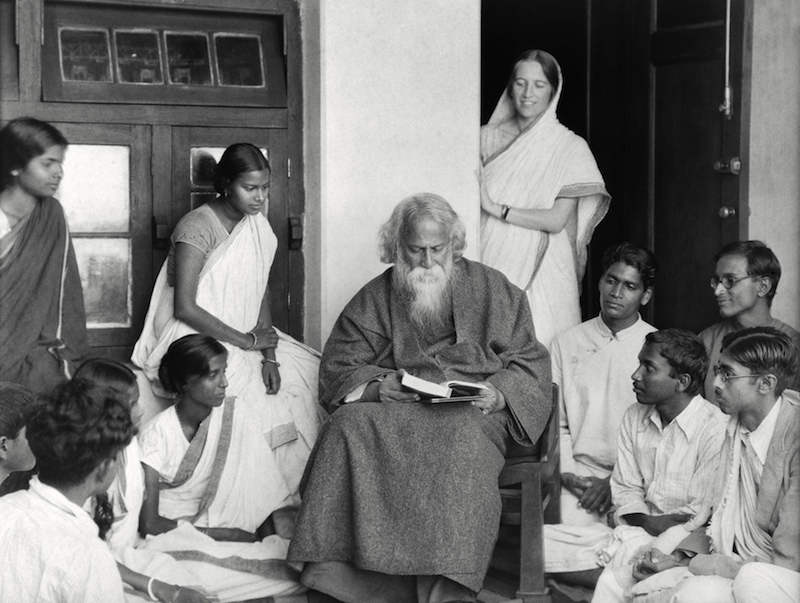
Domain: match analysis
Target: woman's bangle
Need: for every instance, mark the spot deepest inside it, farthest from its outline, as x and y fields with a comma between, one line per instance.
x=150, y=592
x=255, y=341
x=271, y=361
x=504, y=212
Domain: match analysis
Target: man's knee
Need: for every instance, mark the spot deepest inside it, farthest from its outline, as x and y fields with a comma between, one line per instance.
x=766, y=582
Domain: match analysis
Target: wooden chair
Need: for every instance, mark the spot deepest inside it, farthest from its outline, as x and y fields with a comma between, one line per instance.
x=530, y=487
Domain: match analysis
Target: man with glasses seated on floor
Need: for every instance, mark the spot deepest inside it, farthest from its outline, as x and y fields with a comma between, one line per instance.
x=750, y=552
x=744, y=285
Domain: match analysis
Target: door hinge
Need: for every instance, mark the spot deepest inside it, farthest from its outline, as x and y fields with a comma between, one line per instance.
x=288, y=168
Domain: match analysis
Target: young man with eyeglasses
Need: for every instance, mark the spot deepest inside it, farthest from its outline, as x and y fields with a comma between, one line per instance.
x=746, y=279
x=754, y=532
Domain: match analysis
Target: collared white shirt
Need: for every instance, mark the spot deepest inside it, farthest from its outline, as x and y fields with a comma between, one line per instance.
x=760, y=438
x=592, y=367
x=663, y=469
x=51, y=551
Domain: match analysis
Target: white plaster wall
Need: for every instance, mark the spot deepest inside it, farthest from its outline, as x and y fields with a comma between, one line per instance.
x=775, y=144
x=391, y=109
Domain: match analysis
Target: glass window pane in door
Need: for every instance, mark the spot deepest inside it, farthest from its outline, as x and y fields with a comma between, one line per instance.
x=85, y=55
x=138, y=57
x=188, y=59
x=104, y=265
x=239, y=60
x=95, y=191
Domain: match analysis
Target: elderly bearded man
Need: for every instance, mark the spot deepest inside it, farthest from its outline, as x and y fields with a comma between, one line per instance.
x=400, y=498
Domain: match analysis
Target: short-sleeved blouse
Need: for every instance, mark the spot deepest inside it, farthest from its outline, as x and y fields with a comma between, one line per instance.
x=162, y=444
x=200, y=228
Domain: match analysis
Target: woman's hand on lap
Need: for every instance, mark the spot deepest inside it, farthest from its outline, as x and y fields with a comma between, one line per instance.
x=271, y=376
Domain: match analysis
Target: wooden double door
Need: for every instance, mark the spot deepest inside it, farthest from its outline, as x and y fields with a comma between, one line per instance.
x=125, y=188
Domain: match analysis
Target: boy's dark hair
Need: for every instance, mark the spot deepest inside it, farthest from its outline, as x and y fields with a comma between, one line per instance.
x=75, y=429
x=764, y=350
x=16, y=402
x=640, y=258
x=685, y=353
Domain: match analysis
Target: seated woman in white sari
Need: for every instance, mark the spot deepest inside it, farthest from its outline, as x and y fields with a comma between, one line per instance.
x=542, y=195
x=161, y=568
x=204, y=503
x=214, y=282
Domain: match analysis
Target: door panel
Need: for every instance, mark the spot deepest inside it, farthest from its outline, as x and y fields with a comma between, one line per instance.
x=106, y=197
x=689, y=134
x=194, y=155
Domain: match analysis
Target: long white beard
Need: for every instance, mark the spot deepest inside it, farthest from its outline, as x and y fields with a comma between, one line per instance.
x=427, y=291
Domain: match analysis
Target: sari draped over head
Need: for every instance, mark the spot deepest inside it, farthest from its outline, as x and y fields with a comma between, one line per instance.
x=231, y=286
x=42, y=317
x=529, y=171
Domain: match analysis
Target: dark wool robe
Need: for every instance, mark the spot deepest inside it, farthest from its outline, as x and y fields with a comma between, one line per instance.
x=411, y=489
x=42, y=318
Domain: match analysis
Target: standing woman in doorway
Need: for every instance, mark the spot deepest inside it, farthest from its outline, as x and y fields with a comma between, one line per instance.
x=214, y=282
x=42, y=318
x=542, y=195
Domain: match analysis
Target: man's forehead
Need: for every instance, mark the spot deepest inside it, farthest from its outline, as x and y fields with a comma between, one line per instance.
x=427, y=231
x=624, y=272
x=651, y=352
x=732, y=265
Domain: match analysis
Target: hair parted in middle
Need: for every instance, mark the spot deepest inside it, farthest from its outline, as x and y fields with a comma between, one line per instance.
x=413, y=209
x=237, y=159
x=685, y=353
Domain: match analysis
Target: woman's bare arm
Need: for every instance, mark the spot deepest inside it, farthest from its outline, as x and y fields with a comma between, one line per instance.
x=188, y=264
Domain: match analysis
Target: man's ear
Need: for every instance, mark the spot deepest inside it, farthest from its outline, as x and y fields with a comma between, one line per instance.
x=3, y=447
x=684, y=382
x=764, y=286
x=767, y=383
x=648, y=295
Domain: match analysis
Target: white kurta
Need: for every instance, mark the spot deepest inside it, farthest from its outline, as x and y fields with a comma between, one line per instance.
x=51, y=552
x=592, y=367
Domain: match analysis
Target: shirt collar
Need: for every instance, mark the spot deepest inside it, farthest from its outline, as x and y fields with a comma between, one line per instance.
x=602, y=327
x=687, y=421
x=762, y=436
x=61, y=502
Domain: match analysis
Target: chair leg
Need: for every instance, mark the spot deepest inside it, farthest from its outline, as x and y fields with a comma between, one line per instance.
x=531, y=554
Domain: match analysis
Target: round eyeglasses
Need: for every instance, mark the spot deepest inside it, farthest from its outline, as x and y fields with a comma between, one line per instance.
x=725, y=377
x=729, y=281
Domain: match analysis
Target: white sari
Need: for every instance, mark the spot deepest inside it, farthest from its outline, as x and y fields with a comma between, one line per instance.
x=231, y=571
x=231, y=287
x=530, y=171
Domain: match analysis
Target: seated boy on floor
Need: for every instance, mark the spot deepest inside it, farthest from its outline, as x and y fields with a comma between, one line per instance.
x=668, y=449
x=16, y=459
x=51, y=550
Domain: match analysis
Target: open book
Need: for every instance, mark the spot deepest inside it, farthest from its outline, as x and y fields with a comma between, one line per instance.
x=449, y=391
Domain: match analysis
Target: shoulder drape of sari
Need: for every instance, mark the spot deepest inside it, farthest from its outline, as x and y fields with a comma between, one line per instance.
x=42, y=316
x=232, y=284
x=544, y=162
